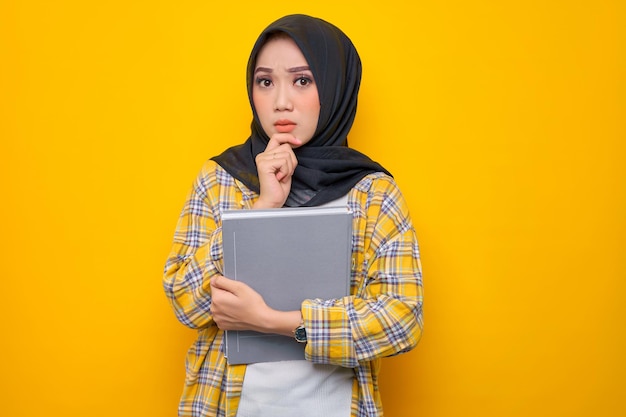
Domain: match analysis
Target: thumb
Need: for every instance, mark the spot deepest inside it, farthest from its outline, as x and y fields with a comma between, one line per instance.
x=223, y=283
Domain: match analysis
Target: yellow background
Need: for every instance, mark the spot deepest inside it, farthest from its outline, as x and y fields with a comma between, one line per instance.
x=503, y=123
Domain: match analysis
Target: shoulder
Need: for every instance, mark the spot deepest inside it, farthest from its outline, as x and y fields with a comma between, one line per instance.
x=212, y=176
x=378, y=196
x=220, y=188
x=378, y=183
x=212, y=170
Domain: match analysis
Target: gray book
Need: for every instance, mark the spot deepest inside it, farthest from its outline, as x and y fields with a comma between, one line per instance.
x=287, y=255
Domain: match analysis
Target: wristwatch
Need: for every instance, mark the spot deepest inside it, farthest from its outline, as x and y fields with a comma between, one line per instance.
x=300, y=333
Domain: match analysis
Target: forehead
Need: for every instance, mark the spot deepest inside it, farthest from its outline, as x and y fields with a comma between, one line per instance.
x=280, y=51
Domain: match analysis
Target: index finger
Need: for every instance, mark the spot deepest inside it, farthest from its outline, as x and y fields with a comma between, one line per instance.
x=282, y=138
x=226, y=284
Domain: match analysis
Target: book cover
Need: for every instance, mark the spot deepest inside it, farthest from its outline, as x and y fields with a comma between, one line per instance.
x=287, y=255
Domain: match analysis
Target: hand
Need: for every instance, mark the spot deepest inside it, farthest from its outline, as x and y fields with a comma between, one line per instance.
x=275, y=167
x=235, y=305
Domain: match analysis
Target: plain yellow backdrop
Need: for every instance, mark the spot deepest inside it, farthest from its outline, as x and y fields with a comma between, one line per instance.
x=503, y=123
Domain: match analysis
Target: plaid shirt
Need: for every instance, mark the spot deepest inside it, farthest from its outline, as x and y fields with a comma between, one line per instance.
x=382, y=317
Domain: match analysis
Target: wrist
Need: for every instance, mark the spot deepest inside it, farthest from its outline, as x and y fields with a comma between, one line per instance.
x=282, y=322
x=260, y=204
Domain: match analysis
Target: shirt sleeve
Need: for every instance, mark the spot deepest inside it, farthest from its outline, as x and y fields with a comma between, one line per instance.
x=383, y=316
x=196, y=253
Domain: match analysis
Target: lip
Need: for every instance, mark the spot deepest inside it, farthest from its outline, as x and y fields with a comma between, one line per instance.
x=284, y=126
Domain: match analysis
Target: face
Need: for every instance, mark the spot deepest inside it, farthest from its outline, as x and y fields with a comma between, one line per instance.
x=284, y=91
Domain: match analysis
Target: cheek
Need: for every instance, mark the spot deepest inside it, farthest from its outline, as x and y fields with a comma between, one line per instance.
x=314, y=110
x=258, y=103
x=312, y=105
x=261, y=106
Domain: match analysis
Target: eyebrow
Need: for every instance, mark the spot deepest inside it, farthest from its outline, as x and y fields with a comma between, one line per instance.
x=291, y=70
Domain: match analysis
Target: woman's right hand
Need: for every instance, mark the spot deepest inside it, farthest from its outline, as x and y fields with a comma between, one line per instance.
x=275, y=167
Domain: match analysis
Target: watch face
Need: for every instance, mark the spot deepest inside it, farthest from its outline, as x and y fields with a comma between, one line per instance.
x=300, y=334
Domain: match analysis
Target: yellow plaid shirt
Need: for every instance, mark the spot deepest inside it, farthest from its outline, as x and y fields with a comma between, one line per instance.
x=382, y=317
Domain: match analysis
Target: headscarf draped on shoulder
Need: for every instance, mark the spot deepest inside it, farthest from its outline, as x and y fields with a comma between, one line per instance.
x=327, y=169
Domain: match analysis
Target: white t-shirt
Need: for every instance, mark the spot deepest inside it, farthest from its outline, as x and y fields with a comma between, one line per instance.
x=296, y=388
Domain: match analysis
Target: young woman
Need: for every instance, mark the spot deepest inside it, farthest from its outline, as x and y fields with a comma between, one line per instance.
x=303, y=80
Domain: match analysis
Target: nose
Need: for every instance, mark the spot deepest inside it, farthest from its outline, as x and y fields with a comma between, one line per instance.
x=282, y=100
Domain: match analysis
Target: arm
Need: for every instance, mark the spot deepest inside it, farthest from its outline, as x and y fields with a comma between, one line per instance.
x=198, y=292
x=383, y=316
x=196, y=253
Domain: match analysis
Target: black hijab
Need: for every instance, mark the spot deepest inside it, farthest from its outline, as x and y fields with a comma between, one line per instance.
x=327, y=169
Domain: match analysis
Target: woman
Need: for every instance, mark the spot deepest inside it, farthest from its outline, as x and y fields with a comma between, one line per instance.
x=303, y=79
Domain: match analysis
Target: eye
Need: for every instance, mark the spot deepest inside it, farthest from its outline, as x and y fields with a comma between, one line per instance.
x=263, y=82
x=303, y=81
